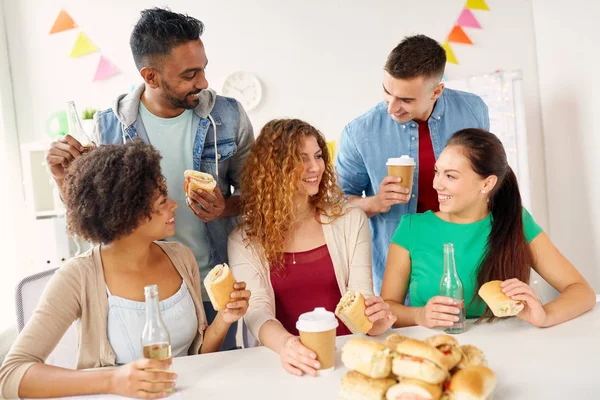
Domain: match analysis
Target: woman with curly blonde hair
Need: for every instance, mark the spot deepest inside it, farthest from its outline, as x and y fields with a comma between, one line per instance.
x=299, y=246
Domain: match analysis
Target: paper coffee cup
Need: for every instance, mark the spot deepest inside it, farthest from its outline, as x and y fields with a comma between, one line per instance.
x=317, y=332
x=403, y=167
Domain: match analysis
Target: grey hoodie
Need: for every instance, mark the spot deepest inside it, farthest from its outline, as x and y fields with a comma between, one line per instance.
x=234, y=139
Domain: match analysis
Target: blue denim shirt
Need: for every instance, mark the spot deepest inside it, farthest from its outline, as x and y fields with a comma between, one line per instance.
x=369, y=140
x=234, y=140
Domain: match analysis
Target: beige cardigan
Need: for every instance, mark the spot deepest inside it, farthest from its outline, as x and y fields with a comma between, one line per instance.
x=348, y=240
x=77, y=291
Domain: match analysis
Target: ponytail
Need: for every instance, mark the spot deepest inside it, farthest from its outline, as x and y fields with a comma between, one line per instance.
x=507, y=253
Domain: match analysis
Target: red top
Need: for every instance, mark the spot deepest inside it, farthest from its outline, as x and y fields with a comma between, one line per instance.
x=304, y=286
x=428, y=198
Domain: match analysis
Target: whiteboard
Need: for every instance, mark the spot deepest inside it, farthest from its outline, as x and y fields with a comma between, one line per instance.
x=502, y=92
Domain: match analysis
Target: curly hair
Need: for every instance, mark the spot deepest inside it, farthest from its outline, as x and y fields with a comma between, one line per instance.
x=270, y=181
x=110, y=191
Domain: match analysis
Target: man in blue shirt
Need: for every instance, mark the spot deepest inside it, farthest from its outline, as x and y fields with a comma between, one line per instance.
x=191, y=126
x=416, y=118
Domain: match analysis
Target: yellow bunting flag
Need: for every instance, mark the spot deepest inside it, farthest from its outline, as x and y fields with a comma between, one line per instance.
x=63, y=22
x=331, y=148
x=477, y=5
x=458, y=35
x=450, y=57
x=82, y=46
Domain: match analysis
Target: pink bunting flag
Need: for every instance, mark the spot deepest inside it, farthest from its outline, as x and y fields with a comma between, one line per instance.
x=105, y=69
x=467, y=20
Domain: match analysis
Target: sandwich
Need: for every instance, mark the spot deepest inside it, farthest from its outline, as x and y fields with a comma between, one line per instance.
x=471, y=383
x=356, y=386
x=196, y=180
x=500, y=304
x=368, y=357
x=351, y=311
x=219, y=286
x=471, y=356
x=392, y=340
x=419, y=360
x=448, y=346
x=414, y=389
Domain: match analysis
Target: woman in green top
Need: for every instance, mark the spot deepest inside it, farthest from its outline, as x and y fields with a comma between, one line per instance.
x=494, y=238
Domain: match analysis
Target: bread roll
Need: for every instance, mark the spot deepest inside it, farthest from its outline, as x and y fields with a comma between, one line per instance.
x=356, y=386
x=393, y=340
x=414, y=389
x=368, y=357
x=500, y=304
x=472, y=383
x=196, y=180
x=419, y=360
x=448, y=346
x=219, y=286
x=351, y=311
x=472, y=356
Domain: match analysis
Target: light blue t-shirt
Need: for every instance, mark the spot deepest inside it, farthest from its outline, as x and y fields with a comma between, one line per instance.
x=174, y=139
x=127, y=318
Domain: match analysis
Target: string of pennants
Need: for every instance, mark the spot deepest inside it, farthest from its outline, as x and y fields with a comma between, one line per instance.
x=106, y=69
x=84, y=46
x=466, y=19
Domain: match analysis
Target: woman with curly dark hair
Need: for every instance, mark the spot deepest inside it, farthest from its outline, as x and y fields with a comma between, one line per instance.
x=117, y=199
x=298, y=246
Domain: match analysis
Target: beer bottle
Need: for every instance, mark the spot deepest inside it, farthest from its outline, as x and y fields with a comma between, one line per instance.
x=76, y=128
x=156, y=341
x=451, y=286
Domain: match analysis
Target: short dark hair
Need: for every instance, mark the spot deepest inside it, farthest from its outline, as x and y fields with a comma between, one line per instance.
x=158, y=31
x=416, y=56
x=111, y=190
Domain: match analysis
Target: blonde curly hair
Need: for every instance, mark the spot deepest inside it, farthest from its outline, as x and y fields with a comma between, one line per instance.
x=269, y=184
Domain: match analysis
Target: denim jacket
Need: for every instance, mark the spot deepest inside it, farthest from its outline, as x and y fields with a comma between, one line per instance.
x=235, y=137
x=368, y=141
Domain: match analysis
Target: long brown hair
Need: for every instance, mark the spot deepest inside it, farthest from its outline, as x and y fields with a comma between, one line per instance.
x=507, y=254
x=270, y=181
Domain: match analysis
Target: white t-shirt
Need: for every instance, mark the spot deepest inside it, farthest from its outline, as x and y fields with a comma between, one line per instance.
x=174, y=139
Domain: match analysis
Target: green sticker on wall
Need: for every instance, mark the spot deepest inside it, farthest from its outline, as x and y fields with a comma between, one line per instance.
x=57, y=125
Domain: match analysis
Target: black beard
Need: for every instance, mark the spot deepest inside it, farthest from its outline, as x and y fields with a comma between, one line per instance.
x=177, y=102
x=181, y=103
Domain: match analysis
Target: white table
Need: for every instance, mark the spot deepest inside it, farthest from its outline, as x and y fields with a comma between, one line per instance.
x=562, y=362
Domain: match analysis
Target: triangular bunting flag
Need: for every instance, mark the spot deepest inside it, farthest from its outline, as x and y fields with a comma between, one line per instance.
x=82, y=46
x=331, y=150
x=450, y=57
x=63, y=22
x=105, y=69
x=467, y=20
x=458, y=36
x=477, y=5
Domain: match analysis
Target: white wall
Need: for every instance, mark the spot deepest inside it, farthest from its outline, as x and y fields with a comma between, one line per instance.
x=568, y=63
x=321, y=61
x=11, y=200
x=317, y=60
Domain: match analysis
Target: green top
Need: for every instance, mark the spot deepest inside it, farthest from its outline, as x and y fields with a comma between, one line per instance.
x=424, y=235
